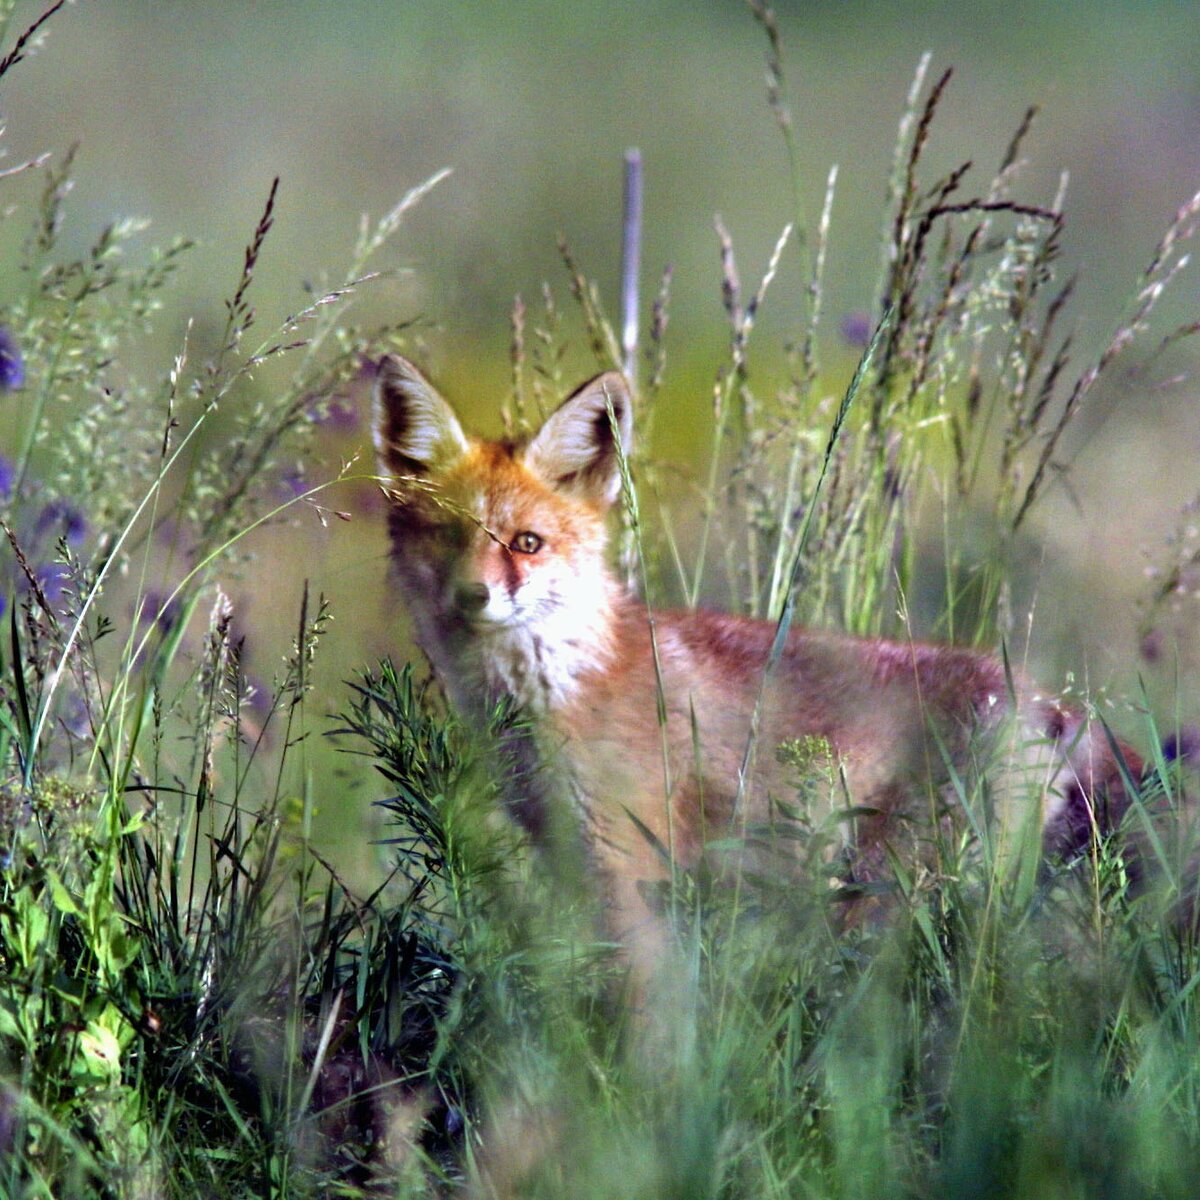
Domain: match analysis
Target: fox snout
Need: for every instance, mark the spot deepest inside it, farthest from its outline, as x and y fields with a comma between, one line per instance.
x=470, y=597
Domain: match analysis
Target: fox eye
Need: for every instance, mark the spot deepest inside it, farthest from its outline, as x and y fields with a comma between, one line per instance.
x=526, y=542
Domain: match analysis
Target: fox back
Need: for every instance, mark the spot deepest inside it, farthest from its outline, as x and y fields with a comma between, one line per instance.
x=647, y=720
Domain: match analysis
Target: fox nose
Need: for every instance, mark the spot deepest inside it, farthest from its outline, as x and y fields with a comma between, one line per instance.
x=471, y=597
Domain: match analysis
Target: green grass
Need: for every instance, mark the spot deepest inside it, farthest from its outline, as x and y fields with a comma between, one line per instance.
x=193, y=1002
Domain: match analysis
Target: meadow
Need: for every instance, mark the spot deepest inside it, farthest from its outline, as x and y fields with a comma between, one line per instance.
x=199, y=996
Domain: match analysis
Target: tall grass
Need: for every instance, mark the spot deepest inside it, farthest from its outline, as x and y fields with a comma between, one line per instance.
x=193, y=1003
x=176, y=959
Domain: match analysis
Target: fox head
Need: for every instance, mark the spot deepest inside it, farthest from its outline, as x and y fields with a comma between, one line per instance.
x=499, y=547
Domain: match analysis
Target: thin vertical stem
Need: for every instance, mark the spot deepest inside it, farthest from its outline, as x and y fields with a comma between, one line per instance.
x=631, y=262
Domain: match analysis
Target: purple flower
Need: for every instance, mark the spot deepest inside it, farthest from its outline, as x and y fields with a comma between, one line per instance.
x=8, y=475
x=12, y=365
x=52, y=579
x=292, y=483
x=65, y=519
x=856, y=329
x=1183, y=745
x=335, y=414
x=157, y=609
x=257, y=698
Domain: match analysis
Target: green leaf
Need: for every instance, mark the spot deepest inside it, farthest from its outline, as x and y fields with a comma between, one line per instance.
x=63, y=900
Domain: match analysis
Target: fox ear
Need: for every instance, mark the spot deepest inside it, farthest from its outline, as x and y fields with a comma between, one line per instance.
x=576, y=449
x=416, y=431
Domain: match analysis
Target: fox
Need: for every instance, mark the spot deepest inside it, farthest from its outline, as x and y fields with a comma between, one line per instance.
x=643, y=718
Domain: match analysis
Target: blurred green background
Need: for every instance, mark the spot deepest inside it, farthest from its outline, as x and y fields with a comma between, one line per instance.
x=185, y=111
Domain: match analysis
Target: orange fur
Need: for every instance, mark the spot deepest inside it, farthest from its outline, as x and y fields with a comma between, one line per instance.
x=499, y=553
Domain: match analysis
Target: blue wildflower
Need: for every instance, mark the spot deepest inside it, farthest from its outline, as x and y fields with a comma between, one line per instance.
x=52, y=579
x=292, y=483
x=856, y=329
x=12, y=365
x=1183, y=745
x=256, y=697
x=336, y=414
x=65, y=519
x=159, y=609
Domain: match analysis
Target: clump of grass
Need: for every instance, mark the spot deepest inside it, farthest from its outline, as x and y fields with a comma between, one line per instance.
x=1008, y=1033
x=183, y=974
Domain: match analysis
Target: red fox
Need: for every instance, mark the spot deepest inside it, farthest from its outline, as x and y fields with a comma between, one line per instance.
x=499, y=554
